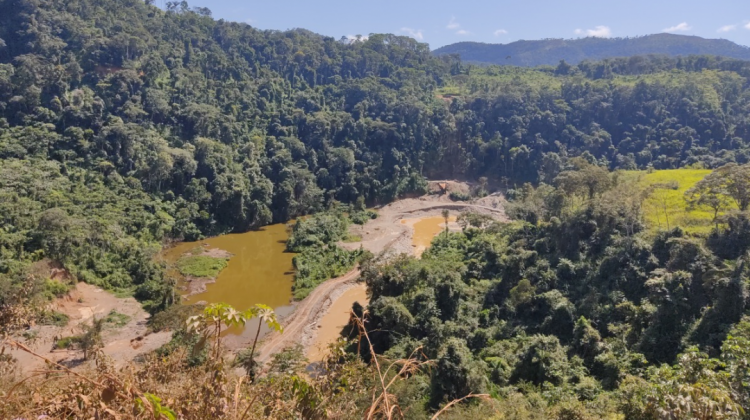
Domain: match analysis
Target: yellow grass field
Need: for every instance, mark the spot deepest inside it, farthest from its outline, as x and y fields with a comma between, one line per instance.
x=665, y=207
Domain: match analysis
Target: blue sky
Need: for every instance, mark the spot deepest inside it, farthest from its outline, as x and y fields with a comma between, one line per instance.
x=442, y=22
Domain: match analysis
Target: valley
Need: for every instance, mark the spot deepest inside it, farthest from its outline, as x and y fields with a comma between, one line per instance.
x=201, y=218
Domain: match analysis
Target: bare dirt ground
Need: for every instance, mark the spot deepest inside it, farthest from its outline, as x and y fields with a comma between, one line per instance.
x=386, y=235
x=299, y=327
x=82, y=304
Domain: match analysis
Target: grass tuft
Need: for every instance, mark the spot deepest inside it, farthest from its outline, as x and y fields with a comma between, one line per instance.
x=201, y=266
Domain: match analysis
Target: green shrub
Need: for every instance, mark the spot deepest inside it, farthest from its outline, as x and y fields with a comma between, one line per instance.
x=317, y=230
x=316, y=265
x=459, y=196
x=201, y=266
x=362, y=217
x=55, y=318
x=116, y=319
x=55, y=289
x=173, y=318
x=68, y=342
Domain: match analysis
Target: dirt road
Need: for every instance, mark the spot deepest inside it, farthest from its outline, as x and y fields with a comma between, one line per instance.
x=298, y=327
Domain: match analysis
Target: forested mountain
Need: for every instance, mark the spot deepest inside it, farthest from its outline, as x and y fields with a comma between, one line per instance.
x=551, y=51
x=124, y=126
x=210, y=126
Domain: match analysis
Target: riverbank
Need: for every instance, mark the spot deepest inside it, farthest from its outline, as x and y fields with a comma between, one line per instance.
x=315, y=320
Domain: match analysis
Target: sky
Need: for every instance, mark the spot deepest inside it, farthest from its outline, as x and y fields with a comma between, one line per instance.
x=443, y=22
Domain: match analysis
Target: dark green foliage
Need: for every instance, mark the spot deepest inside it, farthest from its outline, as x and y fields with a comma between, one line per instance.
x=318, y=264
x=362, y=217
x=457, y=373
x=55, y=318
x=116, y=133
x=459, y=196
x=575, y=305
x=317, y=230
x=123, y=125
x=542, y=360
x=319, y=258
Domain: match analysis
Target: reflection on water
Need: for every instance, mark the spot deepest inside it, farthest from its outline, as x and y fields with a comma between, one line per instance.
x=259, y=270
x=335, y=320
x=425, y=230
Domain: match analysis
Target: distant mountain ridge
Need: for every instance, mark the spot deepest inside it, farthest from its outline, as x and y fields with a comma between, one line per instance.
x=573, y=51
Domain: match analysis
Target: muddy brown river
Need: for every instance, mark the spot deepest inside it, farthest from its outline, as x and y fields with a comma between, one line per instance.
x=259, y=270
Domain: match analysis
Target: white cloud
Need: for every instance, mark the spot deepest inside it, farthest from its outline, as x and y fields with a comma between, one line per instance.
x=414, y=33
x=249, y=21
x=500, y=32
x=453, y=24
x=356, y=38
x=726, y=28
x=600, y=31
x=682, y=27
x=747, y=26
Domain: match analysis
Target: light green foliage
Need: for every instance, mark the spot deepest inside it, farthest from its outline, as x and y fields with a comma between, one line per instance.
x=217, y=315
x=201, y=266
x=666, y=207
x=116, y=319
x=67, y=342
x=153, y=404
x=55, y=289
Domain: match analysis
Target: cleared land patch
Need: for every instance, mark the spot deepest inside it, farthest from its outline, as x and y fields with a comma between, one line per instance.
x=665, y=207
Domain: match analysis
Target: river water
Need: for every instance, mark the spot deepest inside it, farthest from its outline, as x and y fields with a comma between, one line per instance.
x=259, y=270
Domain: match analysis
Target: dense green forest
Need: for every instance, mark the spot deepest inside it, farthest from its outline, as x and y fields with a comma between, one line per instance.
x=576, y=301
x=551, y=51
x=124, y=126
x=131, y=125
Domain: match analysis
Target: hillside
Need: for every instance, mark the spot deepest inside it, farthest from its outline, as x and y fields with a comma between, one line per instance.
x=125, y=128
x=573, y=51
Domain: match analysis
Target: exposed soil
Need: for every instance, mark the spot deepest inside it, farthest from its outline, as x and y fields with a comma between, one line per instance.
x=299, y=327
x=82, y=304
x=195, y=285
x=387, y=233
